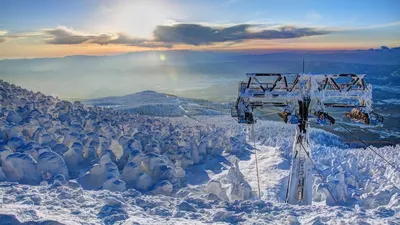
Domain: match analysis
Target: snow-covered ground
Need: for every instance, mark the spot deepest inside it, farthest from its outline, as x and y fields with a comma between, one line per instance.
x=68, y=163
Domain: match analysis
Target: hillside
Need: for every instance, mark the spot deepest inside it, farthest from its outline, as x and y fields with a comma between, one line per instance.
x=173, y=161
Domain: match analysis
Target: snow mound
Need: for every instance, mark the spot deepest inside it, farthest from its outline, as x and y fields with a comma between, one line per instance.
x=51, y=164
x=22, y=168
x=232, y=186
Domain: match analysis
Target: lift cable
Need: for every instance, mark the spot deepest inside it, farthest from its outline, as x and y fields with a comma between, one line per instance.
x=319, y=173
x=387, y=161
x=255, y=151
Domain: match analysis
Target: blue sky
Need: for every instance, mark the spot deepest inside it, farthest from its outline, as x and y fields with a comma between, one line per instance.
x=32, y=14
x=338, y=24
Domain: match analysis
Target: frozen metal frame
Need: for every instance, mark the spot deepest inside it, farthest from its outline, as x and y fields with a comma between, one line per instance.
x=301, y=93
x=262, y=94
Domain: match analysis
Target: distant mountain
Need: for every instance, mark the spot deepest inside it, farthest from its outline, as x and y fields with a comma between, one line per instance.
x=152, y=103
x=177, y=57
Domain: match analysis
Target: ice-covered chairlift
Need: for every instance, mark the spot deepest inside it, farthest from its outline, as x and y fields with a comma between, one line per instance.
x=304, y=98
x=323, y=91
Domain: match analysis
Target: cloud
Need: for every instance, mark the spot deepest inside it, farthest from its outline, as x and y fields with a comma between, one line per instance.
x=101, y=39
x=5, y=35
x=124, y=39
x=166, y=36
x=2, y=36
x=195, y=34
x=67, y=36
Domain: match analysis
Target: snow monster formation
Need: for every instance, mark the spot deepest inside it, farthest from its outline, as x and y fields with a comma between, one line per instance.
x=231, y=187
x=42, y=137
x=44, y=140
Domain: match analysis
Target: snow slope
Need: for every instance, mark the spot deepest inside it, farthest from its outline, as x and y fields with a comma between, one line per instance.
x=68, y=163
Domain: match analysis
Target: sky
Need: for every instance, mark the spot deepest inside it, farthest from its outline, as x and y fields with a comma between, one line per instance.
x=48, y=28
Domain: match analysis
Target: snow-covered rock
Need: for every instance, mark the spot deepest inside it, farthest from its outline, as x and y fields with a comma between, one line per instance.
x=164, y=188
x=4, y=152
x=15, y=142
x=13, y=117
x=74, y=157
x=144, y=182
x=22, y=168
x=215, y=187
x=114, y=183
x=104, y=174
x=50, y=164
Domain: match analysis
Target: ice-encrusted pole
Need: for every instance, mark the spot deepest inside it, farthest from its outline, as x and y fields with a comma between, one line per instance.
x=255, y=153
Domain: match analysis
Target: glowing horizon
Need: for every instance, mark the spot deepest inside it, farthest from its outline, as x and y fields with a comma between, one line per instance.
x=63, y=28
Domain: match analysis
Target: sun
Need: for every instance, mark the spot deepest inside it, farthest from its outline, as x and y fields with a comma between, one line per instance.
x=138, y=17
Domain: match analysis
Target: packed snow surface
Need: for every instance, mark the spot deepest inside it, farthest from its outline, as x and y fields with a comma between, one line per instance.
x=68, y=163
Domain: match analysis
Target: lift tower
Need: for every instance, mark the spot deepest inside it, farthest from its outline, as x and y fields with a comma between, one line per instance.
x=304, y=98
